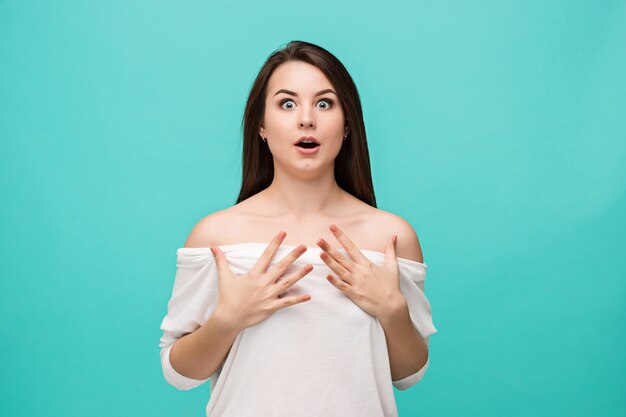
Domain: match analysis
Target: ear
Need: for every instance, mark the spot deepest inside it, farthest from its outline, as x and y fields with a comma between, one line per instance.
x=262, y=130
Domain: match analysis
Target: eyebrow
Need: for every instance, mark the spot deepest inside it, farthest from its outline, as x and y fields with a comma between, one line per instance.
x=319, y=93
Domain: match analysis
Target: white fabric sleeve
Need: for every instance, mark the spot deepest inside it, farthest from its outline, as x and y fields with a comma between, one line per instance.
x=193, y=299
x=412, y=277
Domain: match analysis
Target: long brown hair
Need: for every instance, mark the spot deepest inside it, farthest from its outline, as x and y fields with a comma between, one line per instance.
x=352, y=164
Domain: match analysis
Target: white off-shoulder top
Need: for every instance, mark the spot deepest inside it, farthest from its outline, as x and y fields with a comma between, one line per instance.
x=323, y=357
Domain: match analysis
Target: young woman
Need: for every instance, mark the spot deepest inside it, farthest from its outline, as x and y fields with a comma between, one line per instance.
x=302, y=299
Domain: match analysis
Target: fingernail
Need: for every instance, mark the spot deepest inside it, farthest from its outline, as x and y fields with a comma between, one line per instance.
x=212, y=250
x=395, y=237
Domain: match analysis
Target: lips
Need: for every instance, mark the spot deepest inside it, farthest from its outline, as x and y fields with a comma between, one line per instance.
x=307, y=145
x=307, y=138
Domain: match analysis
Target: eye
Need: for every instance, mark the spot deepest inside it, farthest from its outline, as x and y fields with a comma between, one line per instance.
x=326, y=100
x=284, y=101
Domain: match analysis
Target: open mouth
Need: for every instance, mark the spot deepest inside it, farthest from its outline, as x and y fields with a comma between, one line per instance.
x=307, y=145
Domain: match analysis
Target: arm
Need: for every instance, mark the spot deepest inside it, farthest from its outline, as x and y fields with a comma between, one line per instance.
x=190, y=352
x=408, y=352
x=188, y=355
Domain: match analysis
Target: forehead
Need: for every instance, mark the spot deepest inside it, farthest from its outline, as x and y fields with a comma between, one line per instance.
x=297, y=76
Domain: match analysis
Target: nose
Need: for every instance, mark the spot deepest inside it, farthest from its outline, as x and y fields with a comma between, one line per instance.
x=306, y=119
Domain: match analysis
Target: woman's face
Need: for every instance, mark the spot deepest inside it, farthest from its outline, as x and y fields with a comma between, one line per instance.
x=294, y=108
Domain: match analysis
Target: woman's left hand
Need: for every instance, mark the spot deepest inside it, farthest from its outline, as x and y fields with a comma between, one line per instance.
x=374, y=288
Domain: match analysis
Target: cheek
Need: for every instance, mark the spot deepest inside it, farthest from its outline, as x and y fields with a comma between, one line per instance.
x=275, y=121
x=334, y=125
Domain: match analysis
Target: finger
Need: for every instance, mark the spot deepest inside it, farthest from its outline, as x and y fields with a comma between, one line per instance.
x=339, y=284
x=222, y=263
x=337, y=256
x=289, y=301
x=268, y=254
x=285, y=282
x=342, y=272
x=279, y=269
x=390, y=251
x=352, y=249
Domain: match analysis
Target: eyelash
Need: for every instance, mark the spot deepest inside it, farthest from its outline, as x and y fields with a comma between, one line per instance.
x=331, y=102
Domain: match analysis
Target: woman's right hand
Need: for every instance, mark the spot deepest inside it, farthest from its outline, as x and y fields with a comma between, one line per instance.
x=246, y=300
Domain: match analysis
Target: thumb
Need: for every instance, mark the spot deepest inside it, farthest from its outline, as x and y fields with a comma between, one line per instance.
x=390, y=251
x=220, y=261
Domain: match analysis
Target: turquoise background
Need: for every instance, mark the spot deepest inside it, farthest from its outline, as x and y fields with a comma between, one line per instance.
x=496, y=128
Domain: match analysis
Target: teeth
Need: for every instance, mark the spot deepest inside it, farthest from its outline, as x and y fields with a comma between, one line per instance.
x=307, y=141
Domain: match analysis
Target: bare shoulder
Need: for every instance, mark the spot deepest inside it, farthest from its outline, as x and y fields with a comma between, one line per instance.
x=407, y=245
x=209, y=230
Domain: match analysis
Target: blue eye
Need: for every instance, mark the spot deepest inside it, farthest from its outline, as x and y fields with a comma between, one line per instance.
x=327, y=100
x=284, y=101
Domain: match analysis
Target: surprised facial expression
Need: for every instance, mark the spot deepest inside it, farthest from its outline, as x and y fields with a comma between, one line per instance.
x=301, y=102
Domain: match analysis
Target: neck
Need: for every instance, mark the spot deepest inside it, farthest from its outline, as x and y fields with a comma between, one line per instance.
x=302, y=198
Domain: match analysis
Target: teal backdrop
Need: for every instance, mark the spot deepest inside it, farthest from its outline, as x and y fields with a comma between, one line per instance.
x=496, y=128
